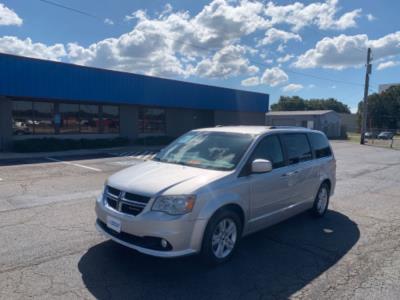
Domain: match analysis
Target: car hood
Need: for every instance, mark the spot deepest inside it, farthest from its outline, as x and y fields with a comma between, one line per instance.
x=150, y=178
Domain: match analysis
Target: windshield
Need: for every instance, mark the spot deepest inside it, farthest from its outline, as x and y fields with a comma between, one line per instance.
x=209, y=150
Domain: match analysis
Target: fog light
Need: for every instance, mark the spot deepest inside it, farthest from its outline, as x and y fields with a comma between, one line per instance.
x=164, y=243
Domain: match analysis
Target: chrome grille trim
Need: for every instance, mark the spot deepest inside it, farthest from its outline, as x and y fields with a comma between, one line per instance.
x=123, y=205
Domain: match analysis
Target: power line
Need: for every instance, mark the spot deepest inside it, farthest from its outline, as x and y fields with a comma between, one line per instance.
x=70, y=9
x=213, y=50
x=256, y=62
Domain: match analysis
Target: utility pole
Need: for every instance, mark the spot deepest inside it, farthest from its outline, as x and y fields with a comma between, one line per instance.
x=365, y=102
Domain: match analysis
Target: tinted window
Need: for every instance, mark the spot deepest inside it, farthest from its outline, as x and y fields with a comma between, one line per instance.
x=297, y=147
x=22, y=116
x=43, y=118
x=320, y=145
x=69, y=118
x=89, y=118
x=269, y=148
x=110, y=119
x=151, y=120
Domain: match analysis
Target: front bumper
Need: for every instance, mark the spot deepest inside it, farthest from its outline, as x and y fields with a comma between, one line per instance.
x=182, y=234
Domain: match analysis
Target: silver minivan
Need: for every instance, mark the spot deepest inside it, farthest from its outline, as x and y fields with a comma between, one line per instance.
x=212, y=186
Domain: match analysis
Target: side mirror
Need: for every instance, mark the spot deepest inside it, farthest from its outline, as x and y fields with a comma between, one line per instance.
x=261, y=166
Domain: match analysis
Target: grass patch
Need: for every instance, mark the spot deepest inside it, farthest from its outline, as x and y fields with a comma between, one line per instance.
x=353, y=137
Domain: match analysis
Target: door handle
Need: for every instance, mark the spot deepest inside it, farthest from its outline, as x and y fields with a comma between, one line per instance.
x=288, y=174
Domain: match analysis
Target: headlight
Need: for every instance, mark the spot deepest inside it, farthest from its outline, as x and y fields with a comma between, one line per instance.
x=102, y=197
x=174, y=205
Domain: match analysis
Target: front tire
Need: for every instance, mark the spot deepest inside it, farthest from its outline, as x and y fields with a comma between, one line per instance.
x=321, y=201
x=221, y=237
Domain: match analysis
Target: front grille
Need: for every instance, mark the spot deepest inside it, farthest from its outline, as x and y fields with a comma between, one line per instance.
x=128, y=203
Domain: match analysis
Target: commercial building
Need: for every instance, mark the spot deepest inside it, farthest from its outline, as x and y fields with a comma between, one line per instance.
x=40, y=98
x=327, y=121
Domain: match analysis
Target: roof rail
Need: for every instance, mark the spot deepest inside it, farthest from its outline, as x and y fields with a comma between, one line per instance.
x=287, y=127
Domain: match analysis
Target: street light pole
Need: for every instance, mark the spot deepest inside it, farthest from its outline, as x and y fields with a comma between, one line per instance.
x=365, y=102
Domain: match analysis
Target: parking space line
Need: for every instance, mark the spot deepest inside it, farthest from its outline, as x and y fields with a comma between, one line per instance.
x=72, y=164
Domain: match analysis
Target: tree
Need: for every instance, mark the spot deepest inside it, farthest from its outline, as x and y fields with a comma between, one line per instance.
x=289, y=103
x=298, y=103
x=383, y=109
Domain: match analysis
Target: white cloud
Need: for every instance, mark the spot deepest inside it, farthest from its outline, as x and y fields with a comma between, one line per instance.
x=9, y=17
x=176, y=43
x=311, y=86
x=281, y=48
x=14, y=45
x=285, y=58
x=251, y=81
x=108, y=21
x=292, y=87
x=274, y=77
x=209, y=43
x=229, y=61
x=388, y=64
x=273, y=35
x=321, y=14
x=345, y=51
x=218, y=24
x=371, y=17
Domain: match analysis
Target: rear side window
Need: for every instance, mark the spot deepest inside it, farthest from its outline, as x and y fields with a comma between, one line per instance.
x=269, y=148
x=320, y=145
x=297, y=147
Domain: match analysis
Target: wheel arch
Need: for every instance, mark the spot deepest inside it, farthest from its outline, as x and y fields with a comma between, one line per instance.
x=328, y=182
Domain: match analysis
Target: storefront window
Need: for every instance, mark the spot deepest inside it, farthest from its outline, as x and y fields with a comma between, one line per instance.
x=151, y=120
x=90, y=121
x=69, y=118
x=22, y=117
x=110, y=119
x=43, y=118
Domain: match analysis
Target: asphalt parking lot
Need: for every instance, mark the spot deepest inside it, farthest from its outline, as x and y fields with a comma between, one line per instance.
x=50, y=249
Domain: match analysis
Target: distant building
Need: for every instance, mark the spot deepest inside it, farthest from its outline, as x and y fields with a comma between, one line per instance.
x=327, y=121
x=384, y=87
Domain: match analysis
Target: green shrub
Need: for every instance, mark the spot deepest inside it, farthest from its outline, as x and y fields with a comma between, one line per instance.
x=53, y=144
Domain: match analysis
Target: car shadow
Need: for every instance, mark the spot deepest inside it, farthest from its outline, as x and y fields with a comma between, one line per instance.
x=273, y=263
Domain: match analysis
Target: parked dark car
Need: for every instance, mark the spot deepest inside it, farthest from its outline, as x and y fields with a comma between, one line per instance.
x=386, y=135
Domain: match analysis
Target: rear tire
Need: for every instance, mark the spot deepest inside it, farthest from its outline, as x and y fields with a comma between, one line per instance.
x=221, y=237
x=321, y=201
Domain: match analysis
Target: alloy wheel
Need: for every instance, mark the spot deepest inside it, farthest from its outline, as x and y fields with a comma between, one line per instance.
x=224, y=238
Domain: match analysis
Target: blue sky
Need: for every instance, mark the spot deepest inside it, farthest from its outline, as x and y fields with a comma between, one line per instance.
x=263, y=46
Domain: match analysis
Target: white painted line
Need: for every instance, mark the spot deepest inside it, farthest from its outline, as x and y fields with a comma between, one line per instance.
x=72, y=164
x=1, y=179
x=143, y=155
